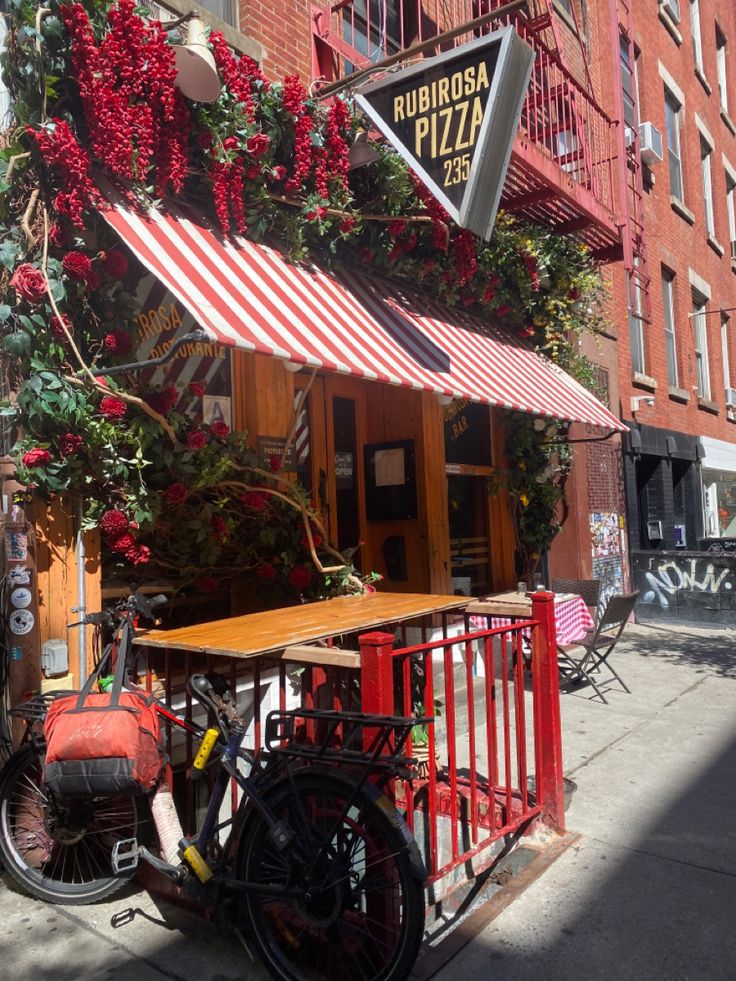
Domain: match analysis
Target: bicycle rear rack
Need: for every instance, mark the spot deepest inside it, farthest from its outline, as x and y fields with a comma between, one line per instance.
x=342, y=737
x=34, y=709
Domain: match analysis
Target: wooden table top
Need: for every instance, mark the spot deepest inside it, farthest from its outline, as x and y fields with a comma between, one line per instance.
x=272, y=630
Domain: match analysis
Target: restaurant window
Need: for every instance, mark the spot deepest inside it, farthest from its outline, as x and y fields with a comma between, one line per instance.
x=719, y=503
x=706, y=171
x=702, y=367
x=721, y=72
x=668, y=306
x=695, y=30
x=673, y=111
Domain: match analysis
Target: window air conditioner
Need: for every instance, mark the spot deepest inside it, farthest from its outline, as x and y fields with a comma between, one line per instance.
x=672, y=9
x=731, y=396
x=650, y=144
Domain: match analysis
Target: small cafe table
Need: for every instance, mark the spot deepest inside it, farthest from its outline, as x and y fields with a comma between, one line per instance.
x=572, y=617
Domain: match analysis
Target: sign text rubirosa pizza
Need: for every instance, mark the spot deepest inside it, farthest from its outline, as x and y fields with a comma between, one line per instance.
x=454, y=119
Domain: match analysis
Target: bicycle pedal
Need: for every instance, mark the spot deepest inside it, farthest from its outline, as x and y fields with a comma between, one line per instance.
x=124, y=856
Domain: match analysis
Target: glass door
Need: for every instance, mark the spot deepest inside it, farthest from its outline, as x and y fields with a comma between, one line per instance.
x=470, y=546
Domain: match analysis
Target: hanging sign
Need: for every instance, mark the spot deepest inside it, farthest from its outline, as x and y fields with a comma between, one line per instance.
x=454, y=118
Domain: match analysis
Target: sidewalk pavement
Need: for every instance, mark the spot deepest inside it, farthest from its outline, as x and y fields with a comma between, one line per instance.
x=647, y=893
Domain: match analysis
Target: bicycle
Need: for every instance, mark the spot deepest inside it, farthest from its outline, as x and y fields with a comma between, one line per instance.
x=317, y=865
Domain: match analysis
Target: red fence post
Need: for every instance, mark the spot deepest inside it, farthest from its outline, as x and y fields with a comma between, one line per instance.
x=377, y=673
x=548, y=725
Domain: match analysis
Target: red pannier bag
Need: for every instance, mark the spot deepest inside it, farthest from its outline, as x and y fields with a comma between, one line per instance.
x=102, y=744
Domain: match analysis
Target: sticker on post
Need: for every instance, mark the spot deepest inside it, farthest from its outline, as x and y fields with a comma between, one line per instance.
x=16, y=546
x=21, y=597
x=19, y=575
x=21, y=622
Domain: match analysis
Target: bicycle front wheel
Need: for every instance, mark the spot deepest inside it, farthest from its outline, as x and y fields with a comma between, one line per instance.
x=361, y=912
x=59, y=850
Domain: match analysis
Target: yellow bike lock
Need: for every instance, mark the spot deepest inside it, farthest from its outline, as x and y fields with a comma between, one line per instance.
x=200, y=760
x=197, y=864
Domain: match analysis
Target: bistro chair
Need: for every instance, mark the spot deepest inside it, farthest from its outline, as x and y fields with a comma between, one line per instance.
x=579, y=661
x=589, y=589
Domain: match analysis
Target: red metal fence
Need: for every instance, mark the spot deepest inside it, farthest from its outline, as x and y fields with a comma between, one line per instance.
x=495, y=692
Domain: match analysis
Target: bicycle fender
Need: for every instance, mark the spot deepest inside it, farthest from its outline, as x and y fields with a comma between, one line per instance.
x=389, y=809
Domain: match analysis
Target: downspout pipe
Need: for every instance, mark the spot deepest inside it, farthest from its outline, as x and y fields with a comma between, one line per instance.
x=81, y=609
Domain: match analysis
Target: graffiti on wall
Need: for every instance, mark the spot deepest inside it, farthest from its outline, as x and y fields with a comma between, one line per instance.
x=667, y=578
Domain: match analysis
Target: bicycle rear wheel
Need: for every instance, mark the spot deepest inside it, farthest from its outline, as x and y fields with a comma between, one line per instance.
x=362, y=913
x=59, y=851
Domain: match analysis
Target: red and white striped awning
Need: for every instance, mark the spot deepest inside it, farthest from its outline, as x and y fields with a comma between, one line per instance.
x=246, y=295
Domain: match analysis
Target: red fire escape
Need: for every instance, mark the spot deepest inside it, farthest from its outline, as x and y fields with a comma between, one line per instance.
x=563, y=165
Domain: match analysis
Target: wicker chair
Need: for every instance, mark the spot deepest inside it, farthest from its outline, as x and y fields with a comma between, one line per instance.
x=589, y=589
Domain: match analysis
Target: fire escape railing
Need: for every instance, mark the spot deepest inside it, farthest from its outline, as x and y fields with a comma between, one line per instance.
x=561, y=119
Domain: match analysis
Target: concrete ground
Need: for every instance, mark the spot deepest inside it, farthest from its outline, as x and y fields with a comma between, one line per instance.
x=647, y=893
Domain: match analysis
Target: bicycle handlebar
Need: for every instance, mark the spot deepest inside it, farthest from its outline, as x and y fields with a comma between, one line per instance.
x=135, y=603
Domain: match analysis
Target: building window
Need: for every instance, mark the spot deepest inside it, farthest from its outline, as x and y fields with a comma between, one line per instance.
x=673, y=111
x=706, y=155
x=668, y=305
x=636, y=324
x=701, y=346
x=373, y=28
x=721, y=69
x=726, y=355
x=695, y=29
x=731, y=211
x=628, y=83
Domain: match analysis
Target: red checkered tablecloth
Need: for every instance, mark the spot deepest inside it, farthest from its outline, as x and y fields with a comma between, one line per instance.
x=572, y=618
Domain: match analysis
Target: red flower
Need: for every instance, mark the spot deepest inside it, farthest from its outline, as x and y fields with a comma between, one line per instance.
x=118, y=342
x=230, y=143
x=219, y=528
x=196, y=440
x=300, y=577
x=196, y=389
x=70, y=443
x=258, y=145
x=316, y=540
x=29, y=283
x=315, y=214
x=35, y=457
x=113, y=408
x=220, y=429
x=396, y=227
x=255, y=500
x=122, y=544
x=113, y=523
x=526, y=331
x=138, y=554
x=77, y=266
x=503, y=310
x=176, y=494
x=266, y=571
x=208, y=584
x=164, y=401
x=56, y=326
x=114, y=263
x=347, y=225
x=58, y=236
x=279, y=173
x=573, y=294
x=468, y=300
x=488, y=295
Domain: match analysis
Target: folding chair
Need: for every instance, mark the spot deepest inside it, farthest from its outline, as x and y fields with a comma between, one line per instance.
x=589, y=589
x=579, y=660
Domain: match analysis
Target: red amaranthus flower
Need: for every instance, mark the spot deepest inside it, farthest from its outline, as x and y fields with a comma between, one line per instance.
x=113, y=523
x=77, y=266
x=70, y=163
x=113, y=408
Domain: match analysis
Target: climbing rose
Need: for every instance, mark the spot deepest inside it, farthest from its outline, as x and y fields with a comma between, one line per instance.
x=176, y=494
x=208, y=584
x=255, y=500
x=196, y=440
x=58, y=329
x=113, y=523
x=36, y=457
x=112, y=408
x=257, y=145
x=219, y=429
x=29, y=283
x=114, y=263
x=69, y=443
x=138, y=554
x=77, y=265
x=122, y=544
x=300, y=577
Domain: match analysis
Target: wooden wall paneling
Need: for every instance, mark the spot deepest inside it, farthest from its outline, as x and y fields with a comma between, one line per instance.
x=503, y=536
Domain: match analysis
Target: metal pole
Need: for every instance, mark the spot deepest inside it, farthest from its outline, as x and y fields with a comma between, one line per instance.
x=81, y=601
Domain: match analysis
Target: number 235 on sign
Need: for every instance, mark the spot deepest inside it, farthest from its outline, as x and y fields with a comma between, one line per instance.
x=457, y=169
